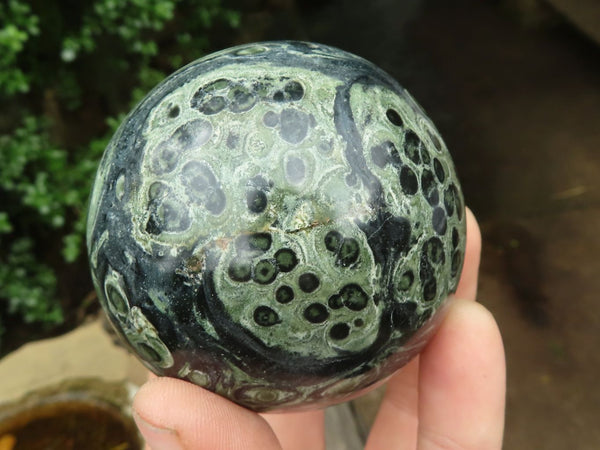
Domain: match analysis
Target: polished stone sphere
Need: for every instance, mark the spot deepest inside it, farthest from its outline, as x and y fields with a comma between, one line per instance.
x=279, y=223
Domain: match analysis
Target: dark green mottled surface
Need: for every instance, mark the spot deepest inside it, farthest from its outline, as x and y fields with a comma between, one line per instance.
x=278, y=223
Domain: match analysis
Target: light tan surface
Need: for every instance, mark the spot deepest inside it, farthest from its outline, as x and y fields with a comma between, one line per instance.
x=87, y=352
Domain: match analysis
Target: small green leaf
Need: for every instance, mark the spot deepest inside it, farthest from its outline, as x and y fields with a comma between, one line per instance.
x=5, y=225
x=72, y=247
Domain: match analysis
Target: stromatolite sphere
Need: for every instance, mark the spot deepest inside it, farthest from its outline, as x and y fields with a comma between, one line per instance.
x=278, y=223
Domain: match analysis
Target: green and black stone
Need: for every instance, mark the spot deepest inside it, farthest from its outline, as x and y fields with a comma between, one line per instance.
x=278, y=223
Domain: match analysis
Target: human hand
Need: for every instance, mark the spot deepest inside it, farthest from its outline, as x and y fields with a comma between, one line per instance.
x=451, y=396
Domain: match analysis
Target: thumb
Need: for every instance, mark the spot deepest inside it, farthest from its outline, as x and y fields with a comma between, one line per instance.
x=176, y=415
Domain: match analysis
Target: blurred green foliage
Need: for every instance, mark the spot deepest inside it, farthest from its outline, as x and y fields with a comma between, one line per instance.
x=69, y=70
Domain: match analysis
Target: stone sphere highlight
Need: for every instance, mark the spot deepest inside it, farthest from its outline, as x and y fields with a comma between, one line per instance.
x=279, y=223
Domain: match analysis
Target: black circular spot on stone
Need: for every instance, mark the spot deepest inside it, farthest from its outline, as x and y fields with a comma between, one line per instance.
x=335, y=301
x=294, y=125
x=429, y=289
x=316, y=313
x=265, y=271
x=359, y=322
x=434, y=250
x=242, y=99
x=354, y=297
x=408, y=181
x=429, y=188
x=406, y=280
x=284, y=294
x=439, y=220
x=265, y=316
x=339, y=331
x=308, y=282
x=294, y=90
x=332, y=240
x=198, y=178
x=214, y=105
x=256, y=200
x=239, y=270
x=174, y=112
x=411, y=146
x=279, y=96
x=286, y=259
x=169, y=156
x=254, y=243
x=295, y=170
x=232, y=140
x=165, y=158
x=270, y=119
x=167, y=214
x=325, y=147
x=393, y=116
x=351, y=179
x=207, y=101
x=348, y=252
x=439, y=170
x=455, y=238
x=215, y=201
x=260, y=241
x=209, y=105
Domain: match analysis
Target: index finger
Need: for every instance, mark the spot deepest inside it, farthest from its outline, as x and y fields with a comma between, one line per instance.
x=467, y=286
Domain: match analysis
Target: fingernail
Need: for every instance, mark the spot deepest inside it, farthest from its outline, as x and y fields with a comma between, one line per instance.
x=157, y=438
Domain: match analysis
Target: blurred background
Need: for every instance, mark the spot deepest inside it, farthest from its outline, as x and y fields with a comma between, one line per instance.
x=512, y=85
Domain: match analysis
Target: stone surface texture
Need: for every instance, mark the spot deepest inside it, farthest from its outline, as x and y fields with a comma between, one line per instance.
x=278, y=223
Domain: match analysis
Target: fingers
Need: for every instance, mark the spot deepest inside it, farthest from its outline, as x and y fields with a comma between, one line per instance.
x=395, y=426
x=299, y=431
x=462, y=382
x=467, y=287
x=174, y=415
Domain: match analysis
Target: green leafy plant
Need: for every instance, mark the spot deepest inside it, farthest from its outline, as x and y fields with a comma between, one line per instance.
x=68, y=73
x=19, y=26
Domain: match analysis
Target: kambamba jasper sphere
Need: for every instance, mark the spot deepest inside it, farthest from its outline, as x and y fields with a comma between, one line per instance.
x=279, y=223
